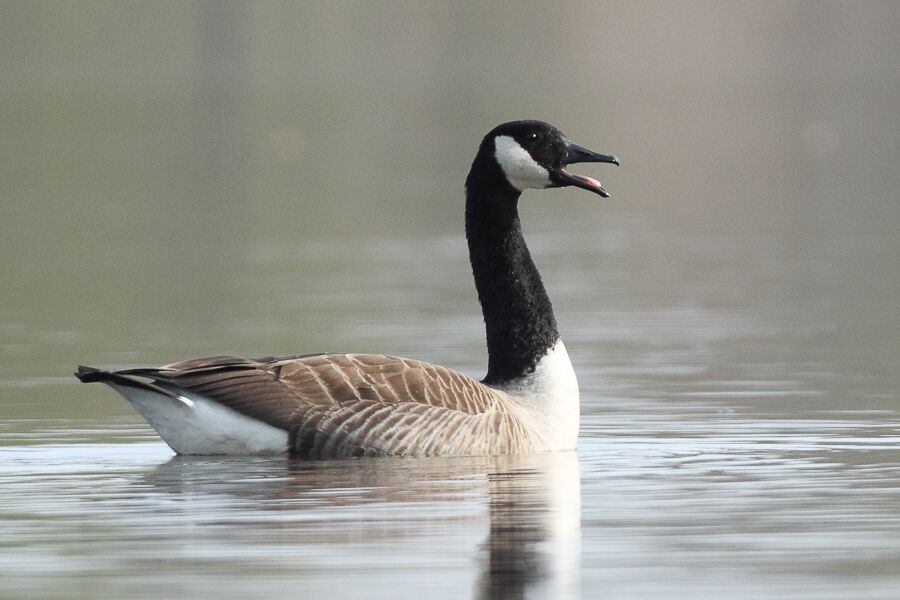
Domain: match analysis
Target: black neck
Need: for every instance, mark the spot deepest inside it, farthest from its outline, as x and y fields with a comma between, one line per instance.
x=517, y=312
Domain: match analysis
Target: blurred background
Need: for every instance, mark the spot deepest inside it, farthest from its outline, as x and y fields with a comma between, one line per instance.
x=183, y=179
x=196, y=178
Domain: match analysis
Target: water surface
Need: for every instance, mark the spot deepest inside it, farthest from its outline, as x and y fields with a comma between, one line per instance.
x=718, y=452
x=193, y=179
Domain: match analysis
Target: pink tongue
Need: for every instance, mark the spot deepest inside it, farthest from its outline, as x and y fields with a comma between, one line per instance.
x=590, y=180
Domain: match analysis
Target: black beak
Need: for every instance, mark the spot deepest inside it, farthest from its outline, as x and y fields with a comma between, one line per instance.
x=580, y=154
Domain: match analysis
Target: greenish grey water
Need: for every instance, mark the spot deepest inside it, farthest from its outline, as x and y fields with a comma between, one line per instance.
x=186, y=180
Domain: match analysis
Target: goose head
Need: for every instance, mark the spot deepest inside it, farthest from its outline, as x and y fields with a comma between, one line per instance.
x=534, y=155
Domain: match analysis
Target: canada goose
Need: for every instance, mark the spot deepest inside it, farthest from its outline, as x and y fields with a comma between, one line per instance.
x=334, y=405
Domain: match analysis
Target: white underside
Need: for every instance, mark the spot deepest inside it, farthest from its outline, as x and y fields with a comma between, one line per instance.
x=194, y=425
x=550, y=399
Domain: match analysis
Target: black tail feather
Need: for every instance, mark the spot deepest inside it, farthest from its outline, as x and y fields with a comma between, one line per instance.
x=90, y=374
x=125, y=378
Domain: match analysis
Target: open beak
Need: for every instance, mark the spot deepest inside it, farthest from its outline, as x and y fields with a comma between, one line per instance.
x=579, y=154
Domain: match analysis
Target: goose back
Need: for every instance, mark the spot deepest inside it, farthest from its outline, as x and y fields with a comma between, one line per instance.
x=337, y=405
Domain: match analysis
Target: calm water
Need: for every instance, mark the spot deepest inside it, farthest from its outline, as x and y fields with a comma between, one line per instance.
x=719, y=452
x=226, y=178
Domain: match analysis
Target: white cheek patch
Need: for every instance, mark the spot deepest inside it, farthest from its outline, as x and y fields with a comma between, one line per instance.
x=520, y=169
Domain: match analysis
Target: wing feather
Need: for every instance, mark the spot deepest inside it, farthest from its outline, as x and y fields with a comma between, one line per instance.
x=349, y=404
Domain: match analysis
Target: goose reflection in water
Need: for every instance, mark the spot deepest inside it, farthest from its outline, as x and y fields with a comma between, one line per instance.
x=345, y=520
x=534, y=544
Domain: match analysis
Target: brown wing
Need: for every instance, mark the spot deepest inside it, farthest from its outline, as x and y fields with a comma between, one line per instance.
x=350, y=404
